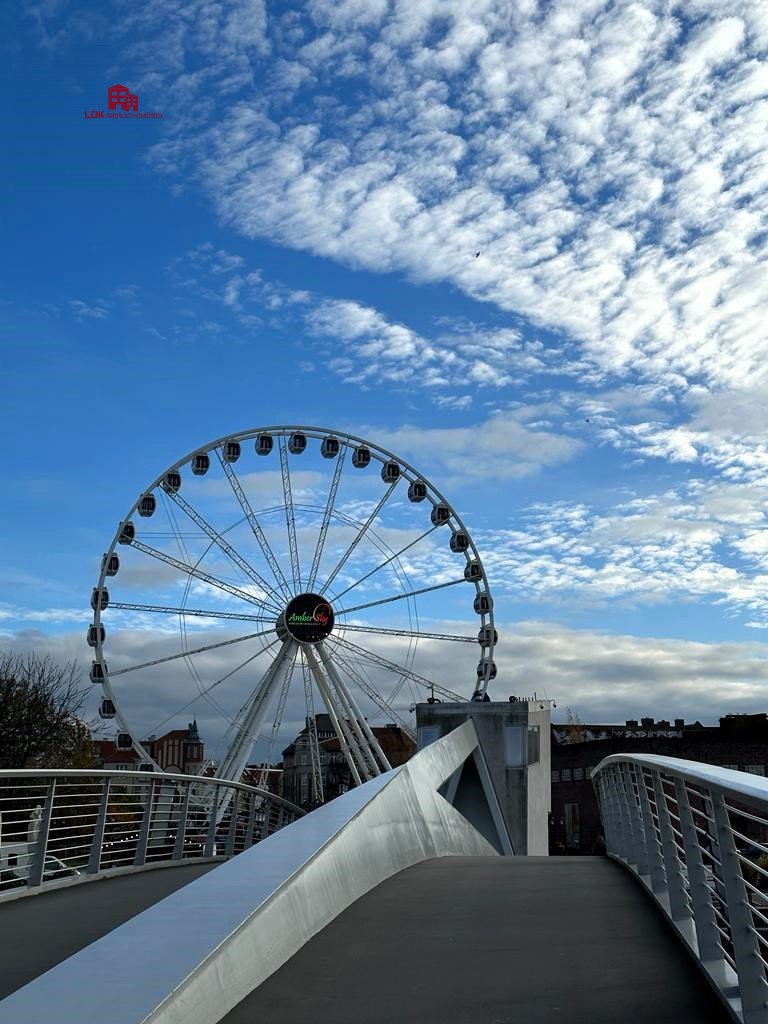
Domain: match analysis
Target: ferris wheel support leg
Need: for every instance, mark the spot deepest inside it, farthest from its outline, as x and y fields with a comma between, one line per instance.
x=345, y=738
x=358, y=742
x=255, y=711
x=369, y=742
x=314, y=745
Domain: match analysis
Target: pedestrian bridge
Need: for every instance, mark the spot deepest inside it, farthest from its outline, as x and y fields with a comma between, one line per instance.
x=393, y=901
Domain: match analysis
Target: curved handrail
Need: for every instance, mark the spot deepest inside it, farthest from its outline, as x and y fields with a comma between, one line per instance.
x=61, y=826
x=694, y=835
x=114, y=773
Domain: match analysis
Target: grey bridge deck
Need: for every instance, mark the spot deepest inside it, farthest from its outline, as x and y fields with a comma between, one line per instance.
x=457, y=940
x=491, y=940
x=38, y=932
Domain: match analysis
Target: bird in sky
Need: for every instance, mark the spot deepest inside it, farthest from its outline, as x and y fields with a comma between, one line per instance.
x=477, y=254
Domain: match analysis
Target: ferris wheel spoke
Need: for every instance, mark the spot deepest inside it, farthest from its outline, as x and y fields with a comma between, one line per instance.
x=290, y=520
x=186, y=654
x=400, y=670
x=361, y=533
x=276, y=723
x=366, y=737
x=254, y=524
x=253, y=713
x=162, y=609
x=326, y=518
x=352, y=756
x=415, y=633
x=221, y=543
x=372, y=693
x=400, y=597
x=206, y=692
x=199, y=574
x=387, y=561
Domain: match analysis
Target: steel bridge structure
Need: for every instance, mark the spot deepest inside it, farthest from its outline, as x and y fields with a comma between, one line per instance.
x=402, y=899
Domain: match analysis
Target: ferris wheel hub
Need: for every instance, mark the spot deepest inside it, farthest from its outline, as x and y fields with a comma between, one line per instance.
x=307, y=618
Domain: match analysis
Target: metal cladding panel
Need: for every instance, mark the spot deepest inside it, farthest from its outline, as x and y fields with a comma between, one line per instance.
x=255, y=911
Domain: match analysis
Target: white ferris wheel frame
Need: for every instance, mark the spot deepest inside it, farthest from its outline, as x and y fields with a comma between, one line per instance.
x=361, y=750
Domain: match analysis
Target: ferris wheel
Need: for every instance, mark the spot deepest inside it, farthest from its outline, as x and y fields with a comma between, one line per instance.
x=277, y=571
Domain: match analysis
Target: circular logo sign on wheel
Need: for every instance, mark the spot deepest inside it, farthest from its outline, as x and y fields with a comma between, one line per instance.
x=309, y=618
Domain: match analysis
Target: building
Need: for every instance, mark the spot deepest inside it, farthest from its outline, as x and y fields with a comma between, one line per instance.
x=180, y=750
x=514, y=738
x=252, y=776
x=336, y=777
x=739, y=742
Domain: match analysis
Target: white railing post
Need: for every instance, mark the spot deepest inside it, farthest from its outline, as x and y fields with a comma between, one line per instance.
x=94, y=860
x=232, y=834
x=140, y=857
x=210, y=839
x=37, y=865
x=707, y=935
x=654, y=861
x=621, y=833
x=746, y=948
x=673, y=868
x=181, y=829
x=634, y=830
x=251, y=822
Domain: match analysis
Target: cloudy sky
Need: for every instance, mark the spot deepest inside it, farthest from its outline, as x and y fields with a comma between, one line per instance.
x=520, y=244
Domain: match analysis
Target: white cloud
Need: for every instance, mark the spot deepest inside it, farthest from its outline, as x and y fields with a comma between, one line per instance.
x=82, y=311
x=499, y=448
x=607, y=162
x=609, y=678
x=701, y=542
x=604, y=677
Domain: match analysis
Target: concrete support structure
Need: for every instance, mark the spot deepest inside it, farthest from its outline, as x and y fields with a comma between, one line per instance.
x=514, y=737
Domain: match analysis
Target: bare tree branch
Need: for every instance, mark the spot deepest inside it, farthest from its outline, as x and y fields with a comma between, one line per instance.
x=40, y=705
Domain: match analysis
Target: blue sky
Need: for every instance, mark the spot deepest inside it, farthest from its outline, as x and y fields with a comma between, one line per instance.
x=294, y=242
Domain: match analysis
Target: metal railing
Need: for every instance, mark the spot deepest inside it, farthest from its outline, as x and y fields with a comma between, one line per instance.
x=249, y=916
x=63, y=826
x=695, y=835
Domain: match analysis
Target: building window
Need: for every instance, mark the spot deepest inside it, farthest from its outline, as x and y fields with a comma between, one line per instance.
x=555, y=776
x=578, y=774
x=428, y=734
x=755, y=769
x=566, y=774
x=514, y=738
x=533, y=744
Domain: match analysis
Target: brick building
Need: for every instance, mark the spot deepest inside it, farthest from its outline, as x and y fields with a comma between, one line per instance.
x=397, y=746
x=180, y=750
x=739, y=742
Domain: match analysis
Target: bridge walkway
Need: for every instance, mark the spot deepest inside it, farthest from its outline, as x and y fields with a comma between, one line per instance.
x=492, y=940
x=38, y=932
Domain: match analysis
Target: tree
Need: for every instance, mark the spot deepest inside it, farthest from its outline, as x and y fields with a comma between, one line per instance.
x=40, y=705
x=575, y=732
